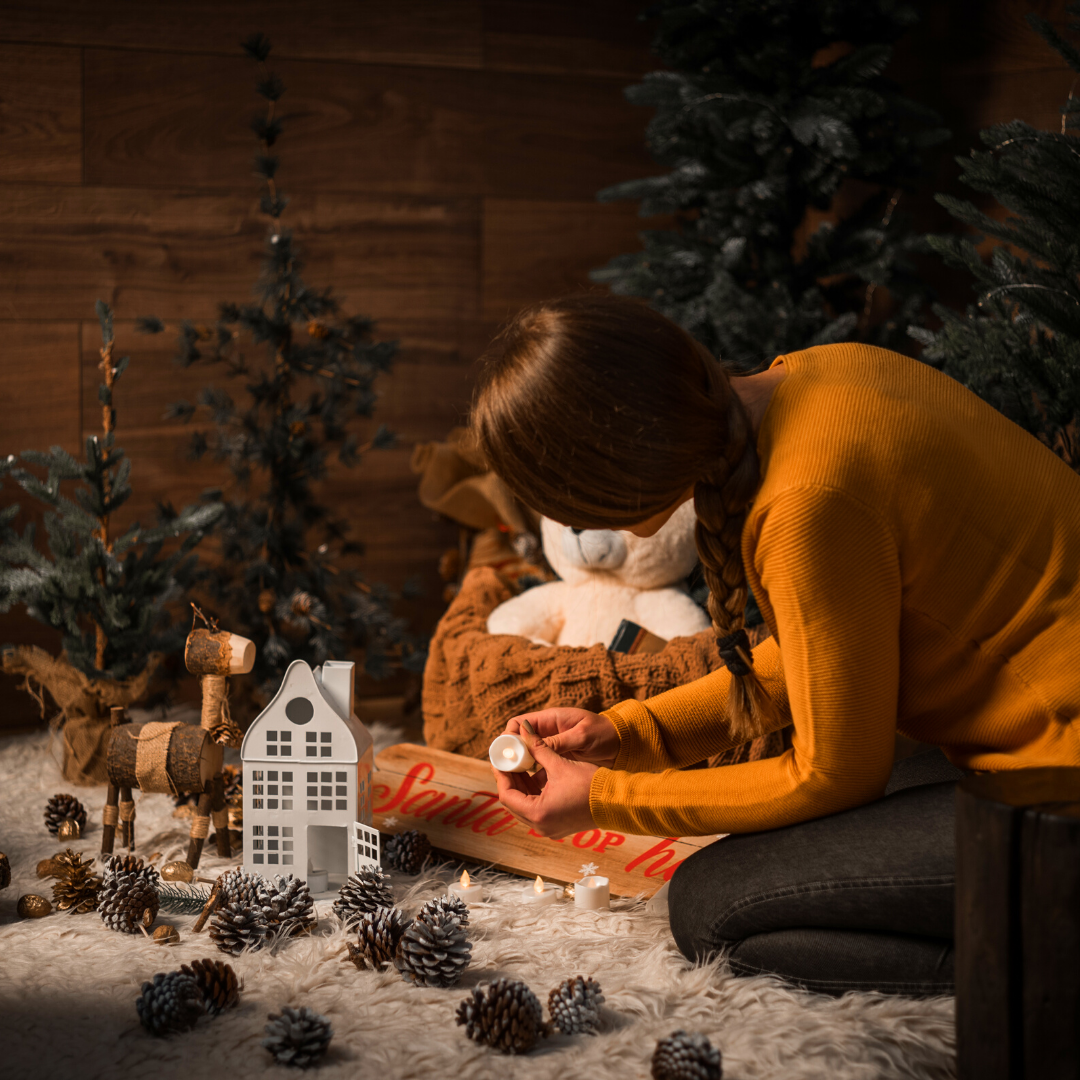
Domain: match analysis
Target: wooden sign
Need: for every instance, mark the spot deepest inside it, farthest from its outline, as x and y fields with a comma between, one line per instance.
x=454, y=800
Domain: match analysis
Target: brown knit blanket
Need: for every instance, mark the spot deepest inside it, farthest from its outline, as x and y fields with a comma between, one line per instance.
x=475, y=681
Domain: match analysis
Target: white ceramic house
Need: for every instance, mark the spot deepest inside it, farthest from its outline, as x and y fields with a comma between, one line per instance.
x=307, y=763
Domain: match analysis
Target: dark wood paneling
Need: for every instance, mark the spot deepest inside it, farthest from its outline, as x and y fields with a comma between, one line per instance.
x=40, y=114
x=178, y=255
x=444, y=33
x=536, y=249
x=600, y=37
x=181, y=121
x=39, y=385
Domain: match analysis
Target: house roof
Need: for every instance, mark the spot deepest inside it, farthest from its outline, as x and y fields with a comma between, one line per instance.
x=300, y=682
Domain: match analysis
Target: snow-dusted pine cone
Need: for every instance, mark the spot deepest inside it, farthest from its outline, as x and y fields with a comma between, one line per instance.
x=433, y=952
x=443, y=906
x=170, y=1003
x=504, y=1014
x=289, y=907
x=240, y=887
x=406, y=851
x=683, y=1056
x=127, y=901
x=574, y=1006
x=366, y=890
x=131, y=865
x=62, y=807
x=297, y=1036
x=239, y=926
x=379, y=933
x=217, y=984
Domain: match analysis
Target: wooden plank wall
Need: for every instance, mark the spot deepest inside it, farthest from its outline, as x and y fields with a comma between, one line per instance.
x=442, y=157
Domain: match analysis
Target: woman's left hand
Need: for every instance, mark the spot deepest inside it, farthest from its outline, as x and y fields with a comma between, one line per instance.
x=554, y=801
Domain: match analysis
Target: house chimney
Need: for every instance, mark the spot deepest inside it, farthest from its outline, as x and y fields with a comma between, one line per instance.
x=338, y=678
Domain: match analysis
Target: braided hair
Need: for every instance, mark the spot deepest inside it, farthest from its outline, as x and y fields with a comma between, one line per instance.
x=599, y=412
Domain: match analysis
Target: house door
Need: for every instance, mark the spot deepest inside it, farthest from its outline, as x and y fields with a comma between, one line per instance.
x=328, y=849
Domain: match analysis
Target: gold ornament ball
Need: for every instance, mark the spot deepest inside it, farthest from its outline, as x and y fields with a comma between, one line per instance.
x=32, y=906
x=177, y=871
x=167, y=935
x=69, y=830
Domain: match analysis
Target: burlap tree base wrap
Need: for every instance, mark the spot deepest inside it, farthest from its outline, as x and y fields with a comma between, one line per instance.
x=475, y=681
x=83, y=702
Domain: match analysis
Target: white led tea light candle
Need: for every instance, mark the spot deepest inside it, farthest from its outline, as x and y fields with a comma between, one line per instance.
x=540, y=893
x=508, y=753
x=592, y=893
x=466, y=890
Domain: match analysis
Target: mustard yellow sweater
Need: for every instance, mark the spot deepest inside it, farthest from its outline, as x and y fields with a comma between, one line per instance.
x=916, y=556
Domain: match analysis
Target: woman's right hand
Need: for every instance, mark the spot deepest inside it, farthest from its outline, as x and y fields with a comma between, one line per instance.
x=573, y=733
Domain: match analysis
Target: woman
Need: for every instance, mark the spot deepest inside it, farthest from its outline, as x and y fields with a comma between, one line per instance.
x=916, y=556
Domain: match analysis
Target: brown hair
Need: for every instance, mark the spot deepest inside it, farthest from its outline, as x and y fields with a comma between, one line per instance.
x=599, y=412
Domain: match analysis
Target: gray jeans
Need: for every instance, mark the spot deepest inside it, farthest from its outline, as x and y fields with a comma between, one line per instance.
x=861, y=900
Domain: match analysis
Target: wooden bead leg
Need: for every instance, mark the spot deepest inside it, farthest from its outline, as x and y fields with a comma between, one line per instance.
x=110, y=818
x=200, y=829
x=127, y=819
x=220, y=816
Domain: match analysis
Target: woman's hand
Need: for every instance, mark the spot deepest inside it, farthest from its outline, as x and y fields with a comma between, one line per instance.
x=576, y=734
x=553, y=801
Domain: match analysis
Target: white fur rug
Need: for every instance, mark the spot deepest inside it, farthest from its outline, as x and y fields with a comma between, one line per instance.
x=68, y=985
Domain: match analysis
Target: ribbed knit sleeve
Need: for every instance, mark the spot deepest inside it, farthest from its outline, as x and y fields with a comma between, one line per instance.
x=818, y=555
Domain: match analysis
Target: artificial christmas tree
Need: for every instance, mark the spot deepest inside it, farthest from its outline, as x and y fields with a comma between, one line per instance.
x=1018, y=346
x=287, y=574
x=773, y=114
x=108, y=593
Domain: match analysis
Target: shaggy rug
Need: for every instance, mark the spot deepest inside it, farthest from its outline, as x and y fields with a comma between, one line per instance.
x=68, y=985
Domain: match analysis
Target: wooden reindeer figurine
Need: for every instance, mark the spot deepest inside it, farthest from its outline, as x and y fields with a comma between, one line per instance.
x=175, y=757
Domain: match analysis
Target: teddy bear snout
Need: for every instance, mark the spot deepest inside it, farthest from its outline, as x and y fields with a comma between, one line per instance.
x=599, y=549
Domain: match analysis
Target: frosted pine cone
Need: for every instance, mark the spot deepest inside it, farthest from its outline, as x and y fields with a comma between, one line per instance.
x=170, y=1003
x=217, y=984
x=574, y=1006
x=130, y=865
x=240, y=887
x=406, y=851
x=297, y=1037
x=686, y=1057
x=505, y=1015
x=239, y=926
x=433, y=952
x=289, y=907
x=443, y=906
x=366, y=890
x=379, y=933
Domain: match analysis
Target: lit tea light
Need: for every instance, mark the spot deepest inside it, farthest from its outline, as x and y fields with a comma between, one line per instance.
x=540, y=893
x=466, y=890
x=508, y=753
x=592, y=893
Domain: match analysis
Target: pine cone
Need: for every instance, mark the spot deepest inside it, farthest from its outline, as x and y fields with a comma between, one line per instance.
x=406, y=851
x=443, y=906
x=127, y=901
x=239, y=926
x=574, y=1006
x=61, y=807
x=77, y=889
x=297, y=1036
x=290, y=909
x=433, y=952
x=170, y=1003
x=686, y=1057
x=240, y=887
x=504, y=1014
x=234, y=785
x=5, y=871
x=217, y=984
x=127, y=864
x=379, y=933
x=366, y=890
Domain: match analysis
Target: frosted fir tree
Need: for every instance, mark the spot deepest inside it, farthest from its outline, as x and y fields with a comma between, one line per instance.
x=766, y=108
x=1018, y=345
x=288, y=573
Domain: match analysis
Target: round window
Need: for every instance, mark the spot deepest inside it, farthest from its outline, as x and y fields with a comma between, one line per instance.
x=299, y=710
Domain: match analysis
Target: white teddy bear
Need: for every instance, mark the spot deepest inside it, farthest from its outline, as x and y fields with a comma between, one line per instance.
x=608, y=576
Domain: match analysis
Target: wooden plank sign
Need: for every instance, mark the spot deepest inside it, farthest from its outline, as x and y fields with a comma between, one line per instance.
x=453, y=799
